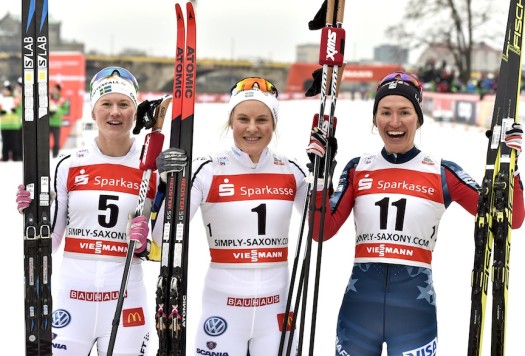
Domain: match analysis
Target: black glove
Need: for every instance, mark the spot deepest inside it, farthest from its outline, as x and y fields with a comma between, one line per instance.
x=145, y=115
x=318, y=147
x=332, y=142
x=319, y=20
x=170, y=161
x=315, y=86
x=316, y=83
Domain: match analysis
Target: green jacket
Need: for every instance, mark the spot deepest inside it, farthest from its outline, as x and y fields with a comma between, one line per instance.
x=11, y=120
x=57, y=111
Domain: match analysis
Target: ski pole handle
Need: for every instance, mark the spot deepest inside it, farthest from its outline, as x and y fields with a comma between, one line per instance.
x=340, y=12
x=150, y=150
x=154, y=140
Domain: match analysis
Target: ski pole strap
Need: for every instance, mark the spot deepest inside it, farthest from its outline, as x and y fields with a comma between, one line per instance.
x=320, y=182
x=145, y=253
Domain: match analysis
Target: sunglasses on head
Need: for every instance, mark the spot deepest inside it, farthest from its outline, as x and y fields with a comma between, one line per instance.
x=254, y=83
x=115, y=71
x=402, y=76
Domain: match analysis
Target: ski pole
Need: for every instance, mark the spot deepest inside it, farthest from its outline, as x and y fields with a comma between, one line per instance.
x=150, y=150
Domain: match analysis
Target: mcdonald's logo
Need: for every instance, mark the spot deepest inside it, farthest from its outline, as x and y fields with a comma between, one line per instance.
x=133, y=317
x=280, y=321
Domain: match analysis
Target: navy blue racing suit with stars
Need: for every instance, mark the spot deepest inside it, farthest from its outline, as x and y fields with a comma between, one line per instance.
x=397, y=201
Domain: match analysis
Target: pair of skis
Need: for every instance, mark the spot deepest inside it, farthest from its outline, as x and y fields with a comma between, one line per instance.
x=331, y=57
x=494, y=216
x=35, y=130
x=171, y=295
x=172, y=288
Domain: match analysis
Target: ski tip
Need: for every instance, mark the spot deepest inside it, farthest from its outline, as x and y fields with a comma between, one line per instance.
x=178, y=11
x=189, y=10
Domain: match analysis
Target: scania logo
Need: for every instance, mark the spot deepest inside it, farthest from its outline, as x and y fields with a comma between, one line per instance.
x=215, y=326
x=60, y=318
x=211, y=345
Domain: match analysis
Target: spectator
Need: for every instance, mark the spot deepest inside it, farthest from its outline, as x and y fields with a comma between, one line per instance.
x=10, y=124
x=58, y=107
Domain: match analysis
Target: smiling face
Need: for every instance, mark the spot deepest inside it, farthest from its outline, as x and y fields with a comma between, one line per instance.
x=115, y=115
x=252, y=125
x=397, y=122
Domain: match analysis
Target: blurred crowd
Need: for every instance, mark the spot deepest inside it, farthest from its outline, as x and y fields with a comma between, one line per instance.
x=442, y=79
x=11, y=119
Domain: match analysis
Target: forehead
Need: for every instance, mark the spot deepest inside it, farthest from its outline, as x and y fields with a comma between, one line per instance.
x=114, y=98
x=395, y=101
x=251, y=107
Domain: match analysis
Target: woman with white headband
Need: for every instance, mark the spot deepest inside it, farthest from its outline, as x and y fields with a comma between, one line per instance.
x=246, y=195
x=96, y=189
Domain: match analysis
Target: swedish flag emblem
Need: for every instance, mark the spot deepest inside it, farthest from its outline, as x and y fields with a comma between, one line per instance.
x=105, y=90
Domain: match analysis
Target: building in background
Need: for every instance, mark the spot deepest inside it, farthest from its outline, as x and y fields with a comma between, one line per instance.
x=485, y=59
x=155, y=74
x=393, y=54
x=307, y=53
x=11, y=34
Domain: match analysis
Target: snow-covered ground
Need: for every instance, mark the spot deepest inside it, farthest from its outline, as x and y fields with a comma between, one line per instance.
x=453, y=255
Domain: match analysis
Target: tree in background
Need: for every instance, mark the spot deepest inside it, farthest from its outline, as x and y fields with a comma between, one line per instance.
x=456, y=24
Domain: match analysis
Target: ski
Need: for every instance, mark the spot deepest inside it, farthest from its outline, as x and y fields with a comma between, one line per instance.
x=331, y=57
x=35, y=131
x=492, y=232
x=171, y=295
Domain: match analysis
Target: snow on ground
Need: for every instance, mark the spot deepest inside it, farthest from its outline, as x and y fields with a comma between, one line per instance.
x=453, y=255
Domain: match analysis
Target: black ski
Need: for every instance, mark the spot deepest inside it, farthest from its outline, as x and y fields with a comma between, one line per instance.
x=35, y=130
x=494, y=215
x=172, y=295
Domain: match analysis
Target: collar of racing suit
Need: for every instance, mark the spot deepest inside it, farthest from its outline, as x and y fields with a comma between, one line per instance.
x=398, y=158
x=245, y=159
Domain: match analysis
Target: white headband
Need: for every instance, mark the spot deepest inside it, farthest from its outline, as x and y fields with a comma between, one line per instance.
x=254, y=94
x=113, y=84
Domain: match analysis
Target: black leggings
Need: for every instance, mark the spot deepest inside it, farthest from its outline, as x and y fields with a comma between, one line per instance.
x=55, y=131
x=11, y=145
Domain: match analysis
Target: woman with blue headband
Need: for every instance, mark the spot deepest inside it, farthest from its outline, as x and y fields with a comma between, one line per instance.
x=96, y=189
